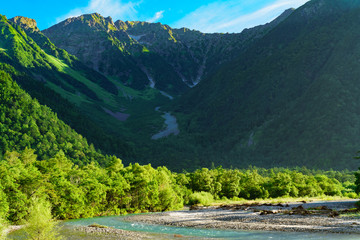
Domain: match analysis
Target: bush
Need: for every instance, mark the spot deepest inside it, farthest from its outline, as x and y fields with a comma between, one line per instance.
x=351, y=195
x=203, y=198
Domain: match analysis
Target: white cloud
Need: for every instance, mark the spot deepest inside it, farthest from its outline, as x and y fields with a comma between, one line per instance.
x=156, y=17
x=114, y=8
x=230, y=16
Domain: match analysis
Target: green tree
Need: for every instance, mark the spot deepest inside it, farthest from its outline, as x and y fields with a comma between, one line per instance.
x=3, y=227
x=40, y=224
x=116, y=195
x=281, y=185
x=230, y=182
x=4, y=205
x=169, y=193
x=252, y=185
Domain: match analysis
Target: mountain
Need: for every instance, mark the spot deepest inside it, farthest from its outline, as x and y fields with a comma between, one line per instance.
x=57, y=79
x=114, y=117
x=126, y=115
x=141, y=53
x=291, y=99
x=280, y=94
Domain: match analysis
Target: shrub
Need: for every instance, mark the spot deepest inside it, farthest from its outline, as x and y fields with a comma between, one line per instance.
x=351, y=195
x=203, y=198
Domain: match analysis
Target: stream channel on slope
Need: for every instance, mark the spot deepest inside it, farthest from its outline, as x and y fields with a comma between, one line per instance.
x=169, y=232
x=171, y=126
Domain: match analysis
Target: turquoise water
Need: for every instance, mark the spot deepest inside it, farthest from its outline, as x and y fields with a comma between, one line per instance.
x=194, y=233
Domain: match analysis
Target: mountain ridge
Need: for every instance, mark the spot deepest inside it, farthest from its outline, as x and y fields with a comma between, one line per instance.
x=281, y=94
x=136, y=38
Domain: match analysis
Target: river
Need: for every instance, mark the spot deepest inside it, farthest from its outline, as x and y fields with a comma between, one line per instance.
x=169, y=232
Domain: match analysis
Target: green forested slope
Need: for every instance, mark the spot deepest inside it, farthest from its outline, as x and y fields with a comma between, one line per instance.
x=291, y=99
x=75, y=92
x=27, y=124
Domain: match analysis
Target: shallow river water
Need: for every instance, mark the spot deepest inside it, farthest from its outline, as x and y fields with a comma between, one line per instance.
x=168, y=232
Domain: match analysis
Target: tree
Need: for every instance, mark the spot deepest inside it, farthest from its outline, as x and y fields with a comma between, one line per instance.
x=40, y=225
x=3, y=227
x=230, y=182
x=357, y=181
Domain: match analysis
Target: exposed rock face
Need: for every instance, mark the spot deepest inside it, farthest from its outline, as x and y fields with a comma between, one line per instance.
x=25, y=23
x=136, y=51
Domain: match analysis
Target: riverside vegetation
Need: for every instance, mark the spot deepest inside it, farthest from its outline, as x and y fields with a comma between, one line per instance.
x=45, y=165
x=92, y=190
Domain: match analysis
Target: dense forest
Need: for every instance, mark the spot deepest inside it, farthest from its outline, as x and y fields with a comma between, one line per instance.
x=91, y=190
x=26, y=123
x=44, y=158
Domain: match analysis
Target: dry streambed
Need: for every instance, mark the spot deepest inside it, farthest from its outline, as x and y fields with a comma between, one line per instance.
x=294, y=217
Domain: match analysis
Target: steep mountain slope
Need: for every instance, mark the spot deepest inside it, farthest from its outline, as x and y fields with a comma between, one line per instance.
x=141, y=53
x=195, y=55
x=99, y=44
x=62, y=82
x=27, y=124
x=291, y=99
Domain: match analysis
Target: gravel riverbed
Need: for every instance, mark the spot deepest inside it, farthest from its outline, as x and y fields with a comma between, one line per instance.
x=112, y=233
x=312, y=217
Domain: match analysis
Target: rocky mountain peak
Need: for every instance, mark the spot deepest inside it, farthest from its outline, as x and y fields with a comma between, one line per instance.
x=93, y=20
x=26, y=23
x=121, y=25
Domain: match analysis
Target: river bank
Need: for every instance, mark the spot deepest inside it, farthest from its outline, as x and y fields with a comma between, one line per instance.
x=97, y=232
x=293, y=217
x=90, y=232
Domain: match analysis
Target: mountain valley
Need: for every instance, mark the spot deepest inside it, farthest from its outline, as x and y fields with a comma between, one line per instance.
x=283, y=94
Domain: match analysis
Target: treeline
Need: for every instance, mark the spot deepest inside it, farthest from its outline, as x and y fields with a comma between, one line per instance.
x=78, y=192
x=256, y=183
x=85, y=191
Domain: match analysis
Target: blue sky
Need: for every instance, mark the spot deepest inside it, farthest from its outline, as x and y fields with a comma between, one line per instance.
x=203, y=15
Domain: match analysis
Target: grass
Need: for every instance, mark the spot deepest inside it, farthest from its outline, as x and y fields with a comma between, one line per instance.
x=351, y=215
x=147, y=94
x=107, y=97
x=76, y=99
x=60, y=65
